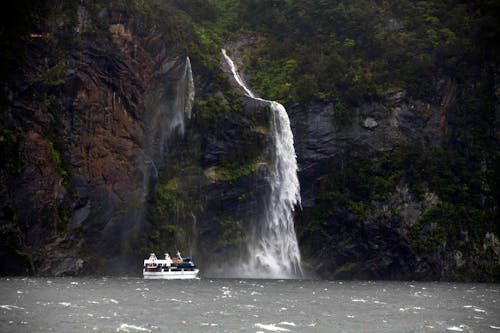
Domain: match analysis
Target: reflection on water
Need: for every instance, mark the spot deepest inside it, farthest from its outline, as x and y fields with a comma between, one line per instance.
x=136, y=305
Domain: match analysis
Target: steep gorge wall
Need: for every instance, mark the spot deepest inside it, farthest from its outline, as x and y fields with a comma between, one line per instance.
x=78, y=115
x=94, y=180
x=104, y=167
x=369, y=210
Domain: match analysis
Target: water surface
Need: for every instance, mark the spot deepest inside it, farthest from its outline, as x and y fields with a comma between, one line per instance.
x=137, y=305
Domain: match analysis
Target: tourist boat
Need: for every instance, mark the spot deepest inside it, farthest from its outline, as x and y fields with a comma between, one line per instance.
x=169, y=268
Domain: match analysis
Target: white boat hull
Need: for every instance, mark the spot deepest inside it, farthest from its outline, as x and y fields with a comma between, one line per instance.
x=172, y=275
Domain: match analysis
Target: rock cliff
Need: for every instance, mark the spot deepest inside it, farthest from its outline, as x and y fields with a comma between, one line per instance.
x=82, y=117
x=365, y=210
x=105, y=156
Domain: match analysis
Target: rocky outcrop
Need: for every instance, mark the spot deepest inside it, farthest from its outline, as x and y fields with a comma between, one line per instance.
x=344, y=235
x=372, y=128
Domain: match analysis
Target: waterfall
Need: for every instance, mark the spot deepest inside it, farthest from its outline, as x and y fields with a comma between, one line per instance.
x=183, y=102
x=169, y=102
x=272, y=246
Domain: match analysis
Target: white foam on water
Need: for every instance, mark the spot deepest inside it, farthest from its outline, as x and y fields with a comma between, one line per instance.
x=477, y=317
x=131, y=328
x=459, y=328
x=74, y=283
x=11, y=307
x=180, y=301
x=226, y=292
x=479, y=310
x=93, y=302
x=65, y=304
x=421, y=294
x=359, y=300
x=271, y=327
x=110, y=300
x=495, y=327
x=287, y=323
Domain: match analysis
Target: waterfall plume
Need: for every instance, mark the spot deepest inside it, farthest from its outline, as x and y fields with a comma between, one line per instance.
x=272, y=246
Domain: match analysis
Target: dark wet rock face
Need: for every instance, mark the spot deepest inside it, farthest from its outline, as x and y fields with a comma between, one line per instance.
x=346, y=229
x=85, y=173
x=99, y=167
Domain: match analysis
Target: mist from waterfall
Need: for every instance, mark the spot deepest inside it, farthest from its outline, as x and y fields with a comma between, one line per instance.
x=168, y=104
x=272, y=246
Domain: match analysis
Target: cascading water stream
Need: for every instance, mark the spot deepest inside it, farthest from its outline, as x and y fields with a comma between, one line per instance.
x=183, y=102
x=168, y=105
x=273, y=248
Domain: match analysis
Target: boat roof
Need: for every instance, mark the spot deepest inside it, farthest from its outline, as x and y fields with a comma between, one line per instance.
x=157, y=261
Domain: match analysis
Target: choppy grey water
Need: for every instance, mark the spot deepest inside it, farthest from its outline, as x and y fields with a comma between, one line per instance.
x=136, y=305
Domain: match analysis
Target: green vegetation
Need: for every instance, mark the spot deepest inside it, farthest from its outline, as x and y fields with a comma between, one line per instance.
x=54, y=134
x=466, y=210
x=165, y=217
x=219, y=117
x=362, y=50
x=55, y=75
x=233, y=232
x=233, y=171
